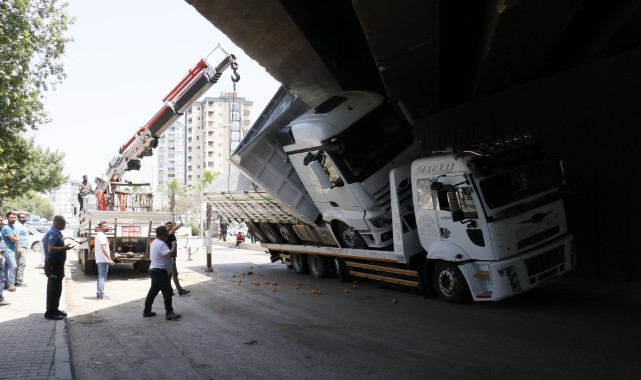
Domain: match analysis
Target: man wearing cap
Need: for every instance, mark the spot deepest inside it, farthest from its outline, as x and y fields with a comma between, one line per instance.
x=161, y=263
x=55, y=256
x=103, y=258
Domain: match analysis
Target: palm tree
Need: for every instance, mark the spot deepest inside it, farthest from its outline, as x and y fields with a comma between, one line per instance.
x=207, y=179
x=174, y=188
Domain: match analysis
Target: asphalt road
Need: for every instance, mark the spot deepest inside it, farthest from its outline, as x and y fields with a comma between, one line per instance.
x=253, y=319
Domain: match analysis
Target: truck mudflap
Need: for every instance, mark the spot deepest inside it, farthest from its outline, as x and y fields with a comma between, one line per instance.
x=497, y=280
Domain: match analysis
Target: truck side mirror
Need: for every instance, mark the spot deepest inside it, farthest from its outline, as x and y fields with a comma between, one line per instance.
x=321, y=176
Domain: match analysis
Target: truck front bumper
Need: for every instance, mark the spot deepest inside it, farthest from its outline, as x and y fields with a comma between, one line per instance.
x=496, y=280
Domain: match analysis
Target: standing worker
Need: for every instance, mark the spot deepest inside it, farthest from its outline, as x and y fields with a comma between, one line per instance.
x=55, y=257
x=159, y=269
x=223, y=229
x=83, y=190
x=171, y=238
x=23, y=245
x=103, y=258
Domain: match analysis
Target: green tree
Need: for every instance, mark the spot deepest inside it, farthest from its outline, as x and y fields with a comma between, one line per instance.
x=174, y=189
x=32, y=41
x=25, y=167
x=33, y=203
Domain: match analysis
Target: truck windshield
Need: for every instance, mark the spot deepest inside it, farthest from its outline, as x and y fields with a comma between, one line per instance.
x=520, y=183
x=370, y=144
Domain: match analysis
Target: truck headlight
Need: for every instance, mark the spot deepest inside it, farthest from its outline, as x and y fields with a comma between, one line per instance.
x=380, y=221
x=513, y=278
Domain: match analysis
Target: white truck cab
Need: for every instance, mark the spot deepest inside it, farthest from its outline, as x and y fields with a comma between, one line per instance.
x=343, y=151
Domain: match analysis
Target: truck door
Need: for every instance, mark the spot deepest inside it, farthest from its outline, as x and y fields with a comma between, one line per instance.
x=469, y=235
x=328, y=183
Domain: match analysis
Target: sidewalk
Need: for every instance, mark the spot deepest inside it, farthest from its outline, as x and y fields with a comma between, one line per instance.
x=33, y=347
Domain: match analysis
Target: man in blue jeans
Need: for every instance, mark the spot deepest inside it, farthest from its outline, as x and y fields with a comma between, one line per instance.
x=2, y=248
x=103, y=258
x=159, y=271
x=10, y=234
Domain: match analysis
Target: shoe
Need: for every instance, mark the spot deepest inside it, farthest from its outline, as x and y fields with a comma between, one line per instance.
x=172, y=316
x=6, y=287
x=54, y=317
x=183, y=292
x=5, y=303
x=62, y=312
x=11, y=288
x=103, y=297
x=147, y=314
x=23, y=284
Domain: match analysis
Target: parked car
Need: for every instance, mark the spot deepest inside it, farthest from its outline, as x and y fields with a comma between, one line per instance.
x=42, y=229
x=35, y=239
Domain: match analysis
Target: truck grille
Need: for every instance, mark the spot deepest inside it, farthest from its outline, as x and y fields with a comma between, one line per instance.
x=538, y=237
x=539, y=264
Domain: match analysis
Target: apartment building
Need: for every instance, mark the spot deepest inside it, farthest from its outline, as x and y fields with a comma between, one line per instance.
x=214, y=128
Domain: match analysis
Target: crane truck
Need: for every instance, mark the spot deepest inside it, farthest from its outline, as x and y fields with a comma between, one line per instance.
x=128, y=207
x=484, y=220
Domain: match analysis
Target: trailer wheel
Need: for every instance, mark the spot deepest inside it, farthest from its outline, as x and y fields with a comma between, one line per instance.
x=88, y=266
x=256, y=232
x=339, y=267
x=348, y=237
x=299, y=263
x=287, y=232
x=271, y=233
x=318, y=266
x=449, y=283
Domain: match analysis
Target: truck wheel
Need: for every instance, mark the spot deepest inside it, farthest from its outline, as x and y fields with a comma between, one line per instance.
x=318, y=266
x=88, y=266
x=449, y=283
x=270, y=233
x=340, y=268
x=142, y=266
x=287, y=232
x=299, y=263
x=256, y=232
x=348, y=237
x=36, y=246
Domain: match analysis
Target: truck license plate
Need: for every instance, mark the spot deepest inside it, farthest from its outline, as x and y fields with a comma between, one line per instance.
x=131, y=231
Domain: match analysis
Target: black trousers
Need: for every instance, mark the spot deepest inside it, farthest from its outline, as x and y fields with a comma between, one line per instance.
x=55, y=272
x=159, y=283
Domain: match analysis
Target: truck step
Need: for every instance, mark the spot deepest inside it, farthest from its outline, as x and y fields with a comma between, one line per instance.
x=380, y=268
x=385, y=278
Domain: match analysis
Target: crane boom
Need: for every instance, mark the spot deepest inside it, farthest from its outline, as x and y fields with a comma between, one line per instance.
x=199, y=79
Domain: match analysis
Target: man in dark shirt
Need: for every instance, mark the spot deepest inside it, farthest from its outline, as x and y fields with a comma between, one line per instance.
x=171, y=238
x=55, y=256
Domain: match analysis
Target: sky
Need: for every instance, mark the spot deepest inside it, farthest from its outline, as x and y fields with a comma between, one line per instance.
x=125, y=57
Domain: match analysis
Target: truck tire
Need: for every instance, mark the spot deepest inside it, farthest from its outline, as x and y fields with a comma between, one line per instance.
x=271, y=233
x=340, y=268
x=299, y=263
x=449, y=283
x=318, y=266
x=88, y=266
x=348, y=237
x=287, y=232
x=256, y=232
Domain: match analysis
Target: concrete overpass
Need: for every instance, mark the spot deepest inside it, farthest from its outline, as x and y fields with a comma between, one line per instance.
x=568, y=71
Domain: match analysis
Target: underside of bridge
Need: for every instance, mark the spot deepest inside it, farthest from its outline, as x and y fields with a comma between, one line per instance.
x=568, y=71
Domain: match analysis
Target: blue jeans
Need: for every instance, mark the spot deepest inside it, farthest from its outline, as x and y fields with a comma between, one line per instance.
x=103, y=268
x=9, y=267
x=1, y=277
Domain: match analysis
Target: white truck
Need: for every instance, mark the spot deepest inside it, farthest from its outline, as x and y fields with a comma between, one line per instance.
x=128, y=207
x=485, y=219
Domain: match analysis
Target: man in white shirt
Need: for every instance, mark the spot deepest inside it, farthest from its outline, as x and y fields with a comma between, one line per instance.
x=159, y=271
x=103, y=258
